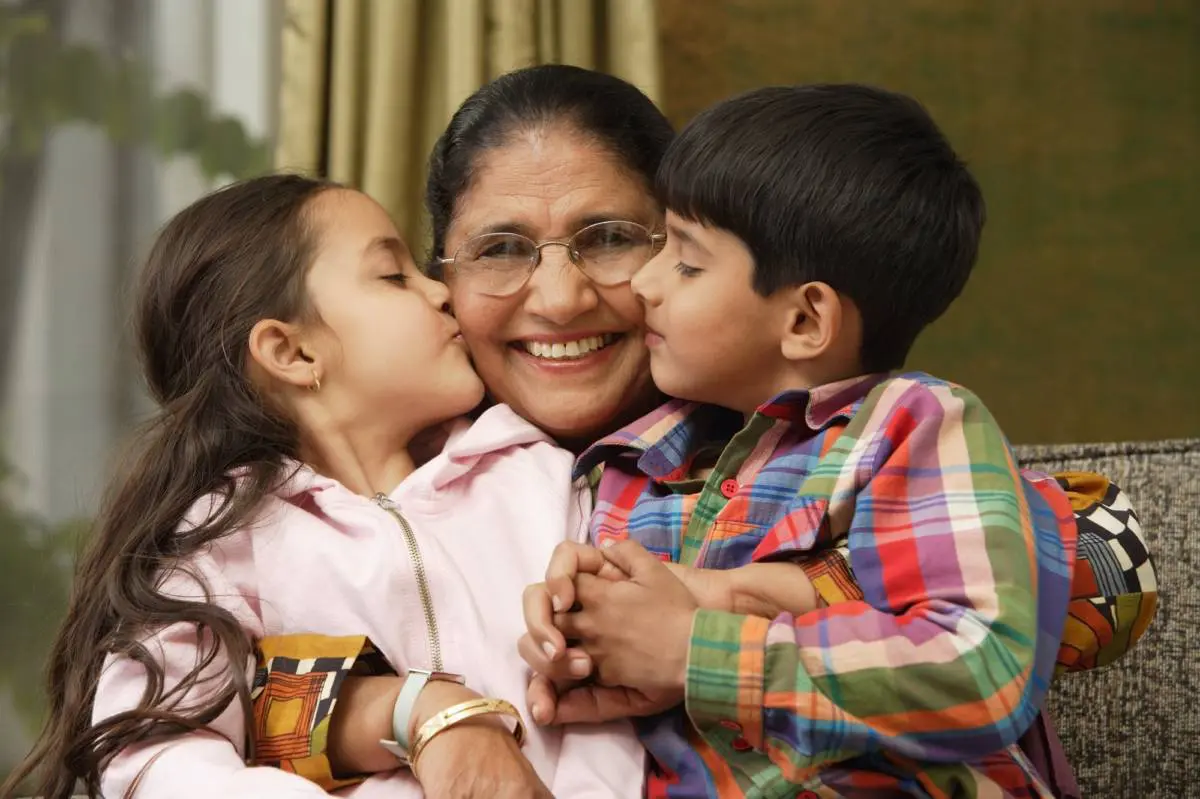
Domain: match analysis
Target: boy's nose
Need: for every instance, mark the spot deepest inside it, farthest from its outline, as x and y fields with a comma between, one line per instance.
x=644, y=281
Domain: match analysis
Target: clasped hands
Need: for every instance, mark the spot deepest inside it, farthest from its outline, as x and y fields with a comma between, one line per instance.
x=607, y=634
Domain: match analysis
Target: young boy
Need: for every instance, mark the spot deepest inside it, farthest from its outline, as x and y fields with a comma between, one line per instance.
x=812, y=234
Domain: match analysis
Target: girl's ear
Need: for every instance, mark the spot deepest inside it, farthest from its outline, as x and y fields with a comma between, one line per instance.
x=813, y=321
x=277, y=349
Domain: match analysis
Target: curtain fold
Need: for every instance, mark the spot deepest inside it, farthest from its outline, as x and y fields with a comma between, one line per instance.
x=368, y=85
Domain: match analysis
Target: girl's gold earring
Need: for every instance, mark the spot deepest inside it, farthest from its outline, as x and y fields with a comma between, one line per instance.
x=315, y=385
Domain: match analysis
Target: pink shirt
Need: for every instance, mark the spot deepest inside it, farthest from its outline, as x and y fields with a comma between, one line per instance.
x=487, y=512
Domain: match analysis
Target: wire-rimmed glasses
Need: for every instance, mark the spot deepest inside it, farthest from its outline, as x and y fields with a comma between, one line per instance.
x=499, y=264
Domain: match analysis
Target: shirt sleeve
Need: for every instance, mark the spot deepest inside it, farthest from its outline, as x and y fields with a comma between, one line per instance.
x=1114, y=590
x=201, y=764
x=964, y=575
x=296, y=685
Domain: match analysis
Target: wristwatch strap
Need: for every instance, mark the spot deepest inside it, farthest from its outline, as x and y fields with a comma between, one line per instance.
x=414, y=682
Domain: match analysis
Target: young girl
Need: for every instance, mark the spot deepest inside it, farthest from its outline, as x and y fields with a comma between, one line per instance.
x=296, y=353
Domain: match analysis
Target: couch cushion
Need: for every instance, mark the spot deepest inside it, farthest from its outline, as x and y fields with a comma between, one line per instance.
x=1133, y=729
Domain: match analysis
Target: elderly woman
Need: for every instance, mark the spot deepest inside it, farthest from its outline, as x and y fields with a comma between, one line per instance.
x=550, y=164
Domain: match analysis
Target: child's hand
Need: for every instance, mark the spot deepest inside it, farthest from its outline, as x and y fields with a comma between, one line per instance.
x=637, y=631
x=756, y=589
x=543, y=646
x=711, y=588
x=568, y=561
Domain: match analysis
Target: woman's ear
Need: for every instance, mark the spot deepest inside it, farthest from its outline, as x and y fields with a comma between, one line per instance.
x=813, y=321
x=277, y=348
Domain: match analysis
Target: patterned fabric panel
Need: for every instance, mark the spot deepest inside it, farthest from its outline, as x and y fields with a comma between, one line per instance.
x=295, y=689
x=1115, y=589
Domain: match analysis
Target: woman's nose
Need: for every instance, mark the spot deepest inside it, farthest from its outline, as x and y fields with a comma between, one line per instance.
x=558, y=290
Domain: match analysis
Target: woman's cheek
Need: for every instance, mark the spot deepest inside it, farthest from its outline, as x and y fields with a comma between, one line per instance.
x=484, y=322
x=625, y=303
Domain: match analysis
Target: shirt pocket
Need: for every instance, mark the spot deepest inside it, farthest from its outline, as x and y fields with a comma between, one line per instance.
x=804, y=528
x=730, y=543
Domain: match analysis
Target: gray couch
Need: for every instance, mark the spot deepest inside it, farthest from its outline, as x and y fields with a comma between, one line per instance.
x=1133, y=729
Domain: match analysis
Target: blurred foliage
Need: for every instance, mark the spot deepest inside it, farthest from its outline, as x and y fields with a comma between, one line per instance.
x=46, y=82
x=37, y=560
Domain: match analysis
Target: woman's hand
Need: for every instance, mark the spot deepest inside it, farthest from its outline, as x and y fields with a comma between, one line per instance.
x=472, y=760
x=478, y=760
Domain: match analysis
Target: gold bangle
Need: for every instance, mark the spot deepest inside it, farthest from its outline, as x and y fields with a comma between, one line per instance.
x=457, y=714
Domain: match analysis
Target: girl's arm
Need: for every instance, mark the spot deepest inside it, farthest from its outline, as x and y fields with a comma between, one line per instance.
x=207, y=762
x=212, y=761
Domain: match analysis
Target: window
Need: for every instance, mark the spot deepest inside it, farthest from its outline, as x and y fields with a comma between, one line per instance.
x=114, y=114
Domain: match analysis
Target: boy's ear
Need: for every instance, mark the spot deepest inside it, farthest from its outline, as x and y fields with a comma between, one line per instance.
x=277, y=348
x=814, y=320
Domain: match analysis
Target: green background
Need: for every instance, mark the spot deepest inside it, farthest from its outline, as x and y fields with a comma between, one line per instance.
x=1082, y=121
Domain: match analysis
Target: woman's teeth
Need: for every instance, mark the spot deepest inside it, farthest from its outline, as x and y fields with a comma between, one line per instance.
x=567, y=350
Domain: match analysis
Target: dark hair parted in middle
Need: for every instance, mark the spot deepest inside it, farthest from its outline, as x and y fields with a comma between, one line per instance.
x=603, y=108
x=843, y=184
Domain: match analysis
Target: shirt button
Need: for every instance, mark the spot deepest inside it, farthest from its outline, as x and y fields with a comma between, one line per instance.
x=740, y=744
x=729, y=488
x=731, y=725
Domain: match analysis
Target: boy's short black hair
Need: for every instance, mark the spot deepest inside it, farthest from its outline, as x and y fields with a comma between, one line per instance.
x=844, y=184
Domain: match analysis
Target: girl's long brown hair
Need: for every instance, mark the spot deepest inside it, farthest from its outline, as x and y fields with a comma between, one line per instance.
x=232, y=258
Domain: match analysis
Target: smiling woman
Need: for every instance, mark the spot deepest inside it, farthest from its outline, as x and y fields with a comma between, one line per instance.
x=549, y=183
x=556, y=155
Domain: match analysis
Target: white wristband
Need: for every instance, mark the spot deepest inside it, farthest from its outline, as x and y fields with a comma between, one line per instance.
x=402, y=711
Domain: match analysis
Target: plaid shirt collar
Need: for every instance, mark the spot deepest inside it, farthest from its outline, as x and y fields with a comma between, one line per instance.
x=664, y=441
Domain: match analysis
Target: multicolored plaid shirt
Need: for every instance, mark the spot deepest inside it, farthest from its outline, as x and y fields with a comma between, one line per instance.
x=945, y=573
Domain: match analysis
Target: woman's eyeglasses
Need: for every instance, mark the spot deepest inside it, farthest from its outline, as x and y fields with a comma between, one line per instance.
x=499, y=264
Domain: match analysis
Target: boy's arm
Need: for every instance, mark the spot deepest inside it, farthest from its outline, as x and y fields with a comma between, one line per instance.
x=1114, y=589
x=964, y=577
x=756, y=589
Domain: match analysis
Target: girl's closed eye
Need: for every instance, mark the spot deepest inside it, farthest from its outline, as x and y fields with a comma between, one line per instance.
x=687, y=271
x=399, y=279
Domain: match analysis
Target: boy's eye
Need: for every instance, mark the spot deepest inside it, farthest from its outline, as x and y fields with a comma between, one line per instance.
x=685, y=270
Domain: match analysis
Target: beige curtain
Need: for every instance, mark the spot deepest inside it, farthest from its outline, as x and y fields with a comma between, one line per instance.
x=368, y=85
